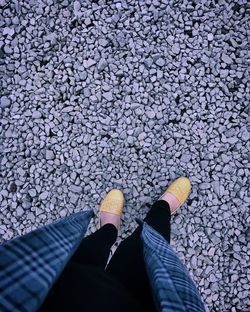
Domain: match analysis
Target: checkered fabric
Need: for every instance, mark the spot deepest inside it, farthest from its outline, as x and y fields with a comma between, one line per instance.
x=172, y=287
x=30, y=264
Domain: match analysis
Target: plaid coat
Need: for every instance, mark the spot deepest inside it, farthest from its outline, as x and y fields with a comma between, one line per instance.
x=30, y=265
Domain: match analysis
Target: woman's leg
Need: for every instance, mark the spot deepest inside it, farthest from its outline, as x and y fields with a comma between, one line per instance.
x=127, y=263
x=94, y=249
x=93, y=252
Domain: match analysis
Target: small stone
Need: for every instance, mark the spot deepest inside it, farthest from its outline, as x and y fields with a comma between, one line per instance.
x=204, y=186
x=224, y=73
x=73, y=198
x=39, y=211
x=49, y=155
x=4, y=160
x=148, y=62
x=210, y=37
x=87, y=21
x=75, y=188
x=26, y=205
x=225, y=158
x=119, y=73
x=5, y=102
x=102, y=64
x=19, y=211
x=31, y=217
x=185, y=158
x=32, y=192
x=8, y=31
x=13, y=187
x=170, y=142
x=103, y=42
x=8, y=50
x=176, y=48
x=160, y=62
x=88, y=63
x=150, y=114
x=20, y=171
x=83, y=75
x=77, y=6
x=205, y=59
x=226, y=59
x=63, y=213
x=156, y=57
x=247, y=233
x=108, y=96
x=204, y=164
x=213, y=278
x=44, y=195
x=232, y=140
x=68, y=109
x=211, y=251
x=36, y=115
x=142, y=136
x=130, y=139
x=216, y=187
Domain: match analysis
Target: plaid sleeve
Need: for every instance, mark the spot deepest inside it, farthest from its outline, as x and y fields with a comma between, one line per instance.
x=172, y=286
x=30, y=264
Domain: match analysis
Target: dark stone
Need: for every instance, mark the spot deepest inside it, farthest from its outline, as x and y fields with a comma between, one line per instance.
x=13, y=187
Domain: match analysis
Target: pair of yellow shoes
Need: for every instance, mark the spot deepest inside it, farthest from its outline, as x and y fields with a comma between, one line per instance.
x=114, y=201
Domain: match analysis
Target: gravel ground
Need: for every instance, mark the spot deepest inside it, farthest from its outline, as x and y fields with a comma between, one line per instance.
x=131, y=95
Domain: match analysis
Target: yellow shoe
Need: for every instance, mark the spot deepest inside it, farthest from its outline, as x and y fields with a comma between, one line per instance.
x=113, y=203
x=180, y=189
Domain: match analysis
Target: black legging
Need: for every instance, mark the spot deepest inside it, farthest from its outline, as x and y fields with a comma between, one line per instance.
x=127, y=263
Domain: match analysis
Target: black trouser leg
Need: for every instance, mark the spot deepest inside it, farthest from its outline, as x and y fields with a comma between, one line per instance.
x=70, y=292
x=94, y=249
x=127, y=263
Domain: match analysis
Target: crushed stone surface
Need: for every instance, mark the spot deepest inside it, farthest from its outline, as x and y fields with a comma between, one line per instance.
x=96, y=95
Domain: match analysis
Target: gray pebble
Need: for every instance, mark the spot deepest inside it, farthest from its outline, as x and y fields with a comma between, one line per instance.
x=49, y=155
x=142, y=136
x=185, y=158
x=210, y=37
x=176, y=48
x=204, y=186
x=19, y=211
x=216, y=187
x=44, y=195
x=5, y=102
x=103, y=42
x=77, y=6
x=36, y=115
x=160, y=62
x=170, y=142
x=20, y=171
x=102, y=64
x=32, y=192
x=150, y=114
x=8, y=31
x=130, y=139
x=88, y=63
x=75, y=188
x=108, y=96
x=26, y=205
x=73, y=197
x=8, y=50
x=225, y=158
x=38, y=211
x=226, y=58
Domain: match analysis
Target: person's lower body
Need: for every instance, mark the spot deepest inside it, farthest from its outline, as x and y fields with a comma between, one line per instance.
x=127, y=263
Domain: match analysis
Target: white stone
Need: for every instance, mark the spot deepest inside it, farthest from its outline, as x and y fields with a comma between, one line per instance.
x=210, y=37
